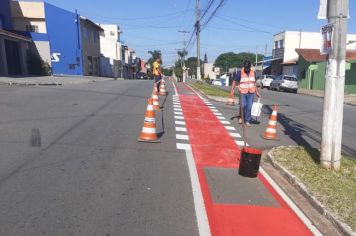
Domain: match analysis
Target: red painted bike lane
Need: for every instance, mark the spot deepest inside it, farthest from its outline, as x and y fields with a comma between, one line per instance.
x=213, y=147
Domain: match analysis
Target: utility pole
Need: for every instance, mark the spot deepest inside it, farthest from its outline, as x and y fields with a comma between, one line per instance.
x=337, y=13
x=197, y=26
x=184, y=32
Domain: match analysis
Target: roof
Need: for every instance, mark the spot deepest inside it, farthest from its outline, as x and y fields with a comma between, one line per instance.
x=13, y=35
x=313, y=55
x=91, y=22
x=290, y=62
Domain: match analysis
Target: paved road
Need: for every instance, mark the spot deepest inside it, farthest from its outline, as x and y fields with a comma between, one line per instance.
x=300, y=120
x=70, y=164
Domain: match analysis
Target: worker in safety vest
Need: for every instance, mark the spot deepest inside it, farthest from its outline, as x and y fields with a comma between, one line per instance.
x=157, y=74
x=246, y=83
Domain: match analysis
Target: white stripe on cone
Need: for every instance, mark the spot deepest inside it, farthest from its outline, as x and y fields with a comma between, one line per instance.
x=272, y=122
x=148, y=130
x=269, y=130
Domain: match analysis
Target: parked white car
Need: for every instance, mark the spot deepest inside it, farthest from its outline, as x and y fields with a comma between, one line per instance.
x=217, y=82
x=266, y=81
x=284, y=83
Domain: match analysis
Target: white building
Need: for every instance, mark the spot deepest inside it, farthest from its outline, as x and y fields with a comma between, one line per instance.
x=284, y=44
x=111, y=51
x=210, y=71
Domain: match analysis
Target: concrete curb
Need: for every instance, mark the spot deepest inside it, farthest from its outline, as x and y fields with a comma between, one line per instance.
x=321, y=97
x=214, y=98
x=293, y=180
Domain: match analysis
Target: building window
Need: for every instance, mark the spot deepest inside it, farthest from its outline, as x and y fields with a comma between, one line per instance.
x=86, y=33
x=32, y=28
x=275, y=44
x=1, y=21
x=93, y=37
x=281, y=43
x=112, y=33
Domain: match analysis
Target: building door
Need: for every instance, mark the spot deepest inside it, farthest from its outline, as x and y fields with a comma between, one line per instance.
x=90, y=65
x=13, y=57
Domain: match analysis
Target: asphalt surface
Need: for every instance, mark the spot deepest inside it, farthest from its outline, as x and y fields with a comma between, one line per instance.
x=70, y=163
x=299, y=121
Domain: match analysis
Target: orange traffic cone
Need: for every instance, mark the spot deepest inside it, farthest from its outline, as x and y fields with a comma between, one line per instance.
x=155, y=99
x=230, y=101
x=271, y=130
x=162, y=89
x=155, y=87
x=148, y=133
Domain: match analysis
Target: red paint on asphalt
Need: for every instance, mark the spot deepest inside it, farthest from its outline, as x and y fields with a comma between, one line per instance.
x=212, y=146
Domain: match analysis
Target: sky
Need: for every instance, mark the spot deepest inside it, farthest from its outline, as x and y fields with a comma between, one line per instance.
x=238, y=26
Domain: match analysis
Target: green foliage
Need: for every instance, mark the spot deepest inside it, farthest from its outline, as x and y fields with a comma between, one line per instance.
x=168, y=71
x=205, y=58
x=233, y=60
x=210, y=90
x=36, y=66
x=191, y=63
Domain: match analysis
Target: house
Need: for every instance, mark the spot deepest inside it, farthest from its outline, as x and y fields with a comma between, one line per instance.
x=284, y=56
x=69, y=45
x=110, y=48
x=90, y=46
x=13, y=47
x=210, y=71
x=312, y=67
x=29, y=19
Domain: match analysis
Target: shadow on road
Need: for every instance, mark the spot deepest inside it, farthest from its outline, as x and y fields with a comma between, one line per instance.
x=297, y=131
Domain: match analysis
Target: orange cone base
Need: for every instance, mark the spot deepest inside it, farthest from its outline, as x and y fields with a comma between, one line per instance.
x=148, y=140
x=230, y=103
x=156, y=108
x=266, y=137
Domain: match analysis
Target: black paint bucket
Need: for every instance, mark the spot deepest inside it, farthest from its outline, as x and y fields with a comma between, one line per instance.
x=250, y=162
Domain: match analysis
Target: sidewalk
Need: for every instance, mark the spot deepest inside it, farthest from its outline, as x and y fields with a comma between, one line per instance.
x=350, y=99
x=234, y=205
x=51, y=80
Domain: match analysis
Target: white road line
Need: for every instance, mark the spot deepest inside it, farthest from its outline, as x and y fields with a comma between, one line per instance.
x=178, y=113
x=235, y=135
x=184, y=146
x=177, y=109
x=176, y=103
x=230, y=128
x=177, y=106
x=182, y=136
x=181, y=129
x=214, y=110
x=291, y=204
x=241, y=143
x=217, y=114
x=200, y=212
x=178, y=122
x=221, y=118
x=225, y=122
x=179, y=117
x=175, y=90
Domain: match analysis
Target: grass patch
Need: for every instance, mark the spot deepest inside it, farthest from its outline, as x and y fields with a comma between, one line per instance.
x=335, y=190
x=210, y=90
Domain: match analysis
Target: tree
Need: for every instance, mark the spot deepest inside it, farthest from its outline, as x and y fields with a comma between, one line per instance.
x=233, y=60
x=205, y=58
x=154, y=55
x=168, y=71
x=191, y=63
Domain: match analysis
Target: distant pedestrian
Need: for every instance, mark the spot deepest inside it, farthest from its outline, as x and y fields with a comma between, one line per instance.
x=246, y=83
x=157, y=74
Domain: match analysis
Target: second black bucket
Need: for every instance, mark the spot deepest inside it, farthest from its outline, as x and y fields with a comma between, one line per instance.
x=250, y=162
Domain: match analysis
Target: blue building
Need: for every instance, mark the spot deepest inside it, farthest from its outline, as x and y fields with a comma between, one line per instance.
x=69, y=42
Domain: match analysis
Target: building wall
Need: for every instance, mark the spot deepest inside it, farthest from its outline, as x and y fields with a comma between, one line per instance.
x=312, y=75
x=5, y=14
x=28, y=13
x=295, y=39
x=209, y=71
x=91, y=48
x=43, y=49
x=65, y=41
x=350, y=80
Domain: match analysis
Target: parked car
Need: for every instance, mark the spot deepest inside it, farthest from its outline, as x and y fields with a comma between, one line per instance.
x=266, y=80
x=217, y=82
x=285, y=83
x=141, y=75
